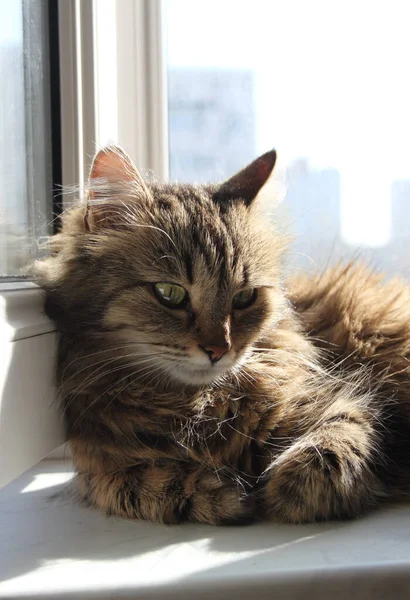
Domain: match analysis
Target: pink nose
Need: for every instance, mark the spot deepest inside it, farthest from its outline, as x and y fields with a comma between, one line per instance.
x=215, y=353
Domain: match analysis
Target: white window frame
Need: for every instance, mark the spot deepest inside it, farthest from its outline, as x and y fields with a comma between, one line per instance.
x=30, y=422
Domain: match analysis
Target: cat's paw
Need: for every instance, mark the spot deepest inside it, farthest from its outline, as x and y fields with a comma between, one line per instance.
x=168, y=494
x=219, y=501
x=310, y=482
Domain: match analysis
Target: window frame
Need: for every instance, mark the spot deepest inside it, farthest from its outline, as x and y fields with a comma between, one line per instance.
x=142, y=84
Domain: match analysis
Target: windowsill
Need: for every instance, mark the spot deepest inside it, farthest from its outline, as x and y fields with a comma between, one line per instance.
x=21, y=311
x=54, y=548
x=30, y=422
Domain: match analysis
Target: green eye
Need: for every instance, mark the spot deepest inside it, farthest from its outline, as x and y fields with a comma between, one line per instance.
x=171, y=294
x=244, y=299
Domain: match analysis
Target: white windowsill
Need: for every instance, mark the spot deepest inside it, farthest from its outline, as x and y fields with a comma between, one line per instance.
x=30, y=423
x=21, y=311
x=53, y=548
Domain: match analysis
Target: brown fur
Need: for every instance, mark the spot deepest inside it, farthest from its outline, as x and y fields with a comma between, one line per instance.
x=310, y=418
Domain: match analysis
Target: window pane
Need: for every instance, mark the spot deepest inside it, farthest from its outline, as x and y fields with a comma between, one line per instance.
x=25, y=147
x=326, y=84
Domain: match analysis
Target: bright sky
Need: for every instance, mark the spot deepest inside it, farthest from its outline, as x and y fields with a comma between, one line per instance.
x=10, y=21
x=332, y=85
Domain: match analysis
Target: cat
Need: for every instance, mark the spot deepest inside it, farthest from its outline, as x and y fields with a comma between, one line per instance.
x=197, y=382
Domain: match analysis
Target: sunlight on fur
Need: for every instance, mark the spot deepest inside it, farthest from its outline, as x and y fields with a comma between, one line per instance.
x=197, y=383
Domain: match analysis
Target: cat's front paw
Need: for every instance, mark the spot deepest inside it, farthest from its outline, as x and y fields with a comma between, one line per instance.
x=219, y=502
x=311, y=482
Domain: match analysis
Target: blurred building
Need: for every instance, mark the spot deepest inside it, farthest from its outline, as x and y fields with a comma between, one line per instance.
x=212, y=123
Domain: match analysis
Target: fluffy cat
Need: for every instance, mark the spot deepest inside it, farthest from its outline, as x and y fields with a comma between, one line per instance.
x=196, y=383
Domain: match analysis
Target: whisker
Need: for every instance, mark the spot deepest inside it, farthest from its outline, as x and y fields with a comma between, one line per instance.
x=105, y=362
x=108, y=390
x=112, y=349
x=77, y=391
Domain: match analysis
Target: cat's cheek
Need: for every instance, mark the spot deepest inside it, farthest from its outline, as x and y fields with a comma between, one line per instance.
x=247, y=325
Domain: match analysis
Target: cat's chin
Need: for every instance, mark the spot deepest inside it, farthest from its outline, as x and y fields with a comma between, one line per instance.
x=198, y=376
x=194, y=374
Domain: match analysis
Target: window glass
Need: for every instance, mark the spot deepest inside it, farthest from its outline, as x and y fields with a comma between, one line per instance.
x=25, y=134
x=326, y=84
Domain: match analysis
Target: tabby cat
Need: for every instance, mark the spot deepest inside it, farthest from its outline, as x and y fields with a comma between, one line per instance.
x=196, y=383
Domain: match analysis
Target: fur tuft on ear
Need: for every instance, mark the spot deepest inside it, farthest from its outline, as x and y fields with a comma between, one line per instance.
x=246, y=184
x=113, y=179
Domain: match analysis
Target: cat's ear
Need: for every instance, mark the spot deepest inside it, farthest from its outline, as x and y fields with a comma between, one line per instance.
x=247, y=184
x=113, y=179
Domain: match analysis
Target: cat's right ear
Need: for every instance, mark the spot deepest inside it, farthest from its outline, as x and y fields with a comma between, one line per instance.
x=113, y=179
x=246, y=185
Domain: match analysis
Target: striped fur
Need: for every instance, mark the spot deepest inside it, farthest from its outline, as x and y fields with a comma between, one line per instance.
x=305, y=418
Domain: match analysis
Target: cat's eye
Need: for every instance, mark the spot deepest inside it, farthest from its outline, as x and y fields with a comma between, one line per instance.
x=244, y=299
x=171, y=294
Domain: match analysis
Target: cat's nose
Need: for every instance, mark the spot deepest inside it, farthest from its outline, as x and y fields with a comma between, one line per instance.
x=215, y=353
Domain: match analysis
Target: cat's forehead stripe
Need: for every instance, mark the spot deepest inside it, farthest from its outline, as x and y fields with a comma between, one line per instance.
x=209, y=242
x=208, y=236
x=189, y=267
x=245, y=276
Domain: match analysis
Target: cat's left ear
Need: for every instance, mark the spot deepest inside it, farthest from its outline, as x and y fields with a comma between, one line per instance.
x=113, y=177
x=247, y=184
x=113, y=168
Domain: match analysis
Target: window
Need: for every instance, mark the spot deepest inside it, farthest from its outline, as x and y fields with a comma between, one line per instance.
x=26, y=169
x=325, y=84
x=30, y=171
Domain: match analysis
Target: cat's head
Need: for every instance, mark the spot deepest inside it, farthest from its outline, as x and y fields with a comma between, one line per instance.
x=187, y=276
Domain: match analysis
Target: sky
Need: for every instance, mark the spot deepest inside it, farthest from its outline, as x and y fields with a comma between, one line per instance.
x=10, y=21
x=331, y=85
